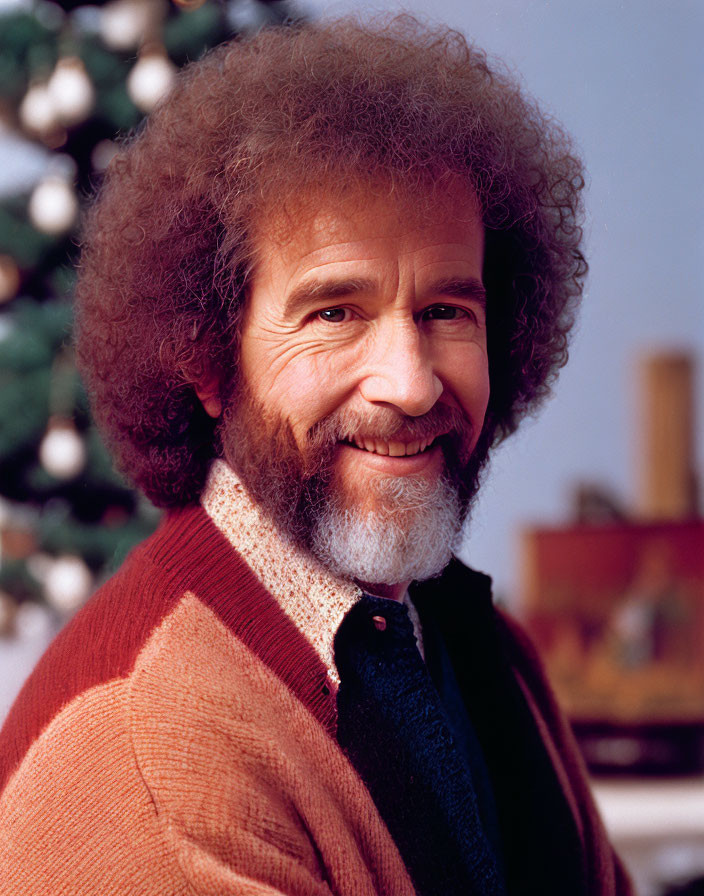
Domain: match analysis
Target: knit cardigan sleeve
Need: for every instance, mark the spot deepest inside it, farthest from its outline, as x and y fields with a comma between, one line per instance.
x=197, y=773
x=156, y=750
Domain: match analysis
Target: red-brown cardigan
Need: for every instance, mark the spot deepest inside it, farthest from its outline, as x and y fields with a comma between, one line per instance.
x=178, y=737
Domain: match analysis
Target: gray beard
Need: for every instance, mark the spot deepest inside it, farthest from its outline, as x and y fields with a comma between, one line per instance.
x=410, y=539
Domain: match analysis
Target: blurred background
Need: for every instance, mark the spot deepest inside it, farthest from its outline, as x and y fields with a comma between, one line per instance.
x=590, y=518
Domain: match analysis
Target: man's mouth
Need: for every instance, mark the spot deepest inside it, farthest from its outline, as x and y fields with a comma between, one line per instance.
x=392, y=447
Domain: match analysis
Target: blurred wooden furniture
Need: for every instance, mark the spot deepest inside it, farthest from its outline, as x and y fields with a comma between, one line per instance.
x=616, y=605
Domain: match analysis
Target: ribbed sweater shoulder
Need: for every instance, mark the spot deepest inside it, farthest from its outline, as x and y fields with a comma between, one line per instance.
x=177, y=738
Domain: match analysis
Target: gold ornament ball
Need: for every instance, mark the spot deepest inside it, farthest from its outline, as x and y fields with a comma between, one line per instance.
x=9, y=278
x=8, y=608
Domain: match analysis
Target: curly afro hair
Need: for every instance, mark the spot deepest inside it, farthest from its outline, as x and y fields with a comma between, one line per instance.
x=168, y=248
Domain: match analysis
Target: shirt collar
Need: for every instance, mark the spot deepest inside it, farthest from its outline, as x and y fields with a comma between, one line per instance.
x=314, y=599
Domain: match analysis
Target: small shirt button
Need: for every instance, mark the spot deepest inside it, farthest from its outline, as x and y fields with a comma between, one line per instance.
x=379, y=623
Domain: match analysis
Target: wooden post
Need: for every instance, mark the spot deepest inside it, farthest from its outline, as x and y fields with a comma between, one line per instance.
x=667, y=480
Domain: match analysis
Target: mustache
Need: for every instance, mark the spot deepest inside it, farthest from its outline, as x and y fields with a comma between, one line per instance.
x=386, y=424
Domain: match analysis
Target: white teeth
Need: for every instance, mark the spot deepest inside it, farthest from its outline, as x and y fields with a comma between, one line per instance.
x=393, y=448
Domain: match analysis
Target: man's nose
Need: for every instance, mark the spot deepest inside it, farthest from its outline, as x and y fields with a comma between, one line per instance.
x=400, y=373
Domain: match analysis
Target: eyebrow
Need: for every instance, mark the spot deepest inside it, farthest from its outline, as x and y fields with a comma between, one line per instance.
x=316, y=289
x=460, y=288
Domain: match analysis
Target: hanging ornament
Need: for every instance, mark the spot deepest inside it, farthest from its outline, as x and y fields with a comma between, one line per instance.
x=9, y=278
x=244, y=15
x=8, y=608
x=53, y=206
x=85, y=20
x=62, y=451
x=68, y=584
x=50, y=15
x=151, y=78
x=33, y=622
x=38, y=566
x=18, y=532
x=71, y=91
x=6, y=117
x=126, y=24
x=6, y=513
x=103, y=153
x=38, y=112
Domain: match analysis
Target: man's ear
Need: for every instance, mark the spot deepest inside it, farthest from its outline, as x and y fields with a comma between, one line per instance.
x=208, y=391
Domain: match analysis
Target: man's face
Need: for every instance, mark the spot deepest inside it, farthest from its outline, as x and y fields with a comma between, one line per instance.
x=364, y=363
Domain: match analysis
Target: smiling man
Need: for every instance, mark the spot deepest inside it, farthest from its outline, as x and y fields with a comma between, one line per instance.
x=337, y=266
x=363, y=343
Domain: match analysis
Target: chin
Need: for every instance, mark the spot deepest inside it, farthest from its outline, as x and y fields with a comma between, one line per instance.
x=405, y=533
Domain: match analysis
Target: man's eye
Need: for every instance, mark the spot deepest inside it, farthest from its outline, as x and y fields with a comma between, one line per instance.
x=446, y=312
x=334, y=315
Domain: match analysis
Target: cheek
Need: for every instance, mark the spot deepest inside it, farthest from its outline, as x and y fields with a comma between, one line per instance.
x=483, y=388
x=305, y=391
x=467, y=376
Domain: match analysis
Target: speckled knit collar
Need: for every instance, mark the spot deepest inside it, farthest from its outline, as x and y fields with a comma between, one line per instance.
x=314, y=599
x=311, y=597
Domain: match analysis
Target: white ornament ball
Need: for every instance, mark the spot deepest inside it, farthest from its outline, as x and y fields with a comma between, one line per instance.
x=124, y=24
x=53, y=206
x=62, y=451
x=103, y=153
x=71, y=90
x=68, y=584
x=32, y=622
x=38, y=112
x=150, y=80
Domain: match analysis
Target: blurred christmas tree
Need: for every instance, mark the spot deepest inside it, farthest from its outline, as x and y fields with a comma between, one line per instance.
x=73, y=79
